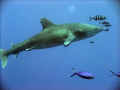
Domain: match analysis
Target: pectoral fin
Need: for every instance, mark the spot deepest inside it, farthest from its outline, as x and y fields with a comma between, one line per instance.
x=69, y=39
x=16, y=55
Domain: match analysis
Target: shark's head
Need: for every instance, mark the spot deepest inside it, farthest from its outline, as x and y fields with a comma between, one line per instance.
x=92, y=30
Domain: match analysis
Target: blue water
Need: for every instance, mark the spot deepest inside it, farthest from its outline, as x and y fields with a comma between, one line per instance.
x=50, y=69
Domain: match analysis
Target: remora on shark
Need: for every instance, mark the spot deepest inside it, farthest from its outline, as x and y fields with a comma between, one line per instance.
x=52, y=35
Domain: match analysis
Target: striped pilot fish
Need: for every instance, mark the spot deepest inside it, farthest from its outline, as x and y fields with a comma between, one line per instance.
x=98, y=17
x=104, y=22
x=107, y=25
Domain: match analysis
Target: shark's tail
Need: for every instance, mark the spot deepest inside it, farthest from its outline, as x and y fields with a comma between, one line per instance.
x=3, y=57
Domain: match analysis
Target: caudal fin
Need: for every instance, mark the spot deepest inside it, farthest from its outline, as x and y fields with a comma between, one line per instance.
x=3, y=57
x=73, y=75
x=112, y=72
x=90, y=18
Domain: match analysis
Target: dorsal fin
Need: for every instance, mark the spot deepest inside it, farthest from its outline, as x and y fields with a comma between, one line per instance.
x=13, y=45
x=46, y=23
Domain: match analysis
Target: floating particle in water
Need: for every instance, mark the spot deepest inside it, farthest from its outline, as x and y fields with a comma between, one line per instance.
x=71, y=8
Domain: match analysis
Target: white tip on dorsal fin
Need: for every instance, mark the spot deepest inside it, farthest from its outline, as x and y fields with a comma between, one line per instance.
x=46, y=23
x=12, y=45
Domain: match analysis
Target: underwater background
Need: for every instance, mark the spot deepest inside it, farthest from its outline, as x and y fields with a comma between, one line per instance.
x=51, y=68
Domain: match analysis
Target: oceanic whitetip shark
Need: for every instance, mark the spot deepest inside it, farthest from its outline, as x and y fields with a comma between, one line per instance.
x=52, y=35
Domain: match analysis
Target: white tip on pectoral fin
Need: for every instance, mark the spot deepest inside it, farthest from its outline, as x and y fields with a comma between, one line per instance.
x=66, y=43
x=69, y=39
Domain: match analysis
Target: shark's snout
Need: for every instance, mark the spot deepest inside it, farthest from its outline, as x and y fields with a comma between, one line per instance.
x=99, y=29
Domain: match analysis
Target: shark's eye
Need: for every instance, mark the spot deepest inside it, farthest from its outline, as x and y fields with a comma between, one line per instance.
x=96, y=28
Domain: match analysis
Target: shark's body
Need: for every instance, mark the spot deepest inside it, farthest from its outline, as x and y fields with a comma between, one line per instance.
x=52, y=35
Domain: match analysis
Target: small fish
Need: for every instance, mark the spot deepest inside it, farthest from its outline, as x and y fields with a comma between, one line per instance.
x=104, y=22
x=117, y=74
x=107, y=25
x=98, y=17
x=84, y=75
x=91, y=42
x=106, y=29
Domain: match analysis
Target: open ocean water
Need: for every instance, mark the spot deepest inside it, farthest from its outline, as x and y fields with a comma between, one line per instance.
x=51, y=68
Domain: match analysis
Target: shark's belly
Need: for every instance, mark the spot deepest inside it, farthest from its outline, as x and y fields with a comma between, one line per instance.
x=48, y=45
